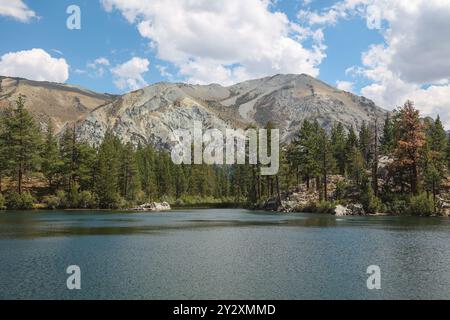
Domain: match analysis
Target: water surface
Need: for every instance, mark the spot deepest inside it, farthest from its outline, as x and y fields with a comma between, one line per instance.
x=221, y=254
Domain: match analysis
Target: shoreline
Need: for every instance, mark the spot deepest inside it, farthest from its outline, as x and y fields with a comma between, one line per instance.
x=178, y=208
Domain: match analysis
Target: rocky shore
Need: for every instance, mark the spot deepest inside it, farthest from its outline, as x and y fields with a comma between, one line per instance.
x=153, y=207
x=303, y=199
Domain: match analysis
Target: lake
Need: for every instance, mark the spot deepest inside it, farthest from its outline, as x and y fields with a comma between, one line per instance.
x=221, y=254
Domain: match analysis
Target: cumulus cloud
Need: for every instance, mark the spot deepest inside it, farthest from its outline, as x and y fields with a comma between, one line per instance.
x=98, y=66
x=345, y=85
x=223, y=41
x=412, y=63
x=34, y=64
x=17, y=10
x=129, y=75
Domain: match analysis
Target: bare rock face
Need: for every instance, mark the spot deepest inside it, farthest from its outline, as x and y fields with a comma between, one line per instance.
x=151, y=114
x=59, y=103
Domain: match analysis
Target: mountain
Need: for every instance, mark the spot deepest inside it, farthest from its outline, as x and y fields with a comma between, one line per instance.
x=59, y=103
x=149, y=115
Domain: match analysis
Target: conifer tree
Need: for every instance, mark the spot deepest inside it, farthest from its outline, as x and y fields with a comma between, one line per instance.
x=23, y=140
x=338, y=142
x=388, y=137
x=4, y=159
x=306, y=144
x=51, y=163
x=129, y=182
x=324, y=158
x=107, y=181
x=410, y=141
x=365, y=143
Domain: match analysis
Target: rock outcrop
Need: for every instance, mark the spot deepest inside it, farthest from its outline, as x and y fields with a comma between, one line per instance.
x=151, y=114
x=354, y=209
x=153, y=207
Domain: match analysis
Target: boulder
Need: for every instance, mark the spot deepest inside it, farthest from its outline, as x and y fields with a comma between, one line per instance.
x=341, y=211
x=153, y=206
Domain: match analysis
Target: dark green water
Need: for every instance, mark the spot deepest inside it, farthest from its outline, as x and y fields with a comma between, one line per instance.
x=221, y=254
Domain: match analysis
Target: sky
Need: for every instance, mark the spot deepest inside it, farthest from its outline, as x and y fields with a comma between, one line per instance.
x=386, y=50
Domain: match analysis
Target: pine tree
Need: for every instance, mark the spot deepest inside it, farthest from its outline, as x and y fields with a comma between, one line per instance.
x=4, y=159
x=23, y=140
x=129, y=182
x=180, y=181
x=356, y=166
x=410, y=140
x=86, y=166
x=324, y=159
x=365, y=143
x=163, y=174
x=51, y=163
x=351, y=145
x=107, y=181
x=434, y=160
x=437, y=140
x=69, y=157
x=306, y=144
x=338, y=141
x=146, y=164
x=388, y=137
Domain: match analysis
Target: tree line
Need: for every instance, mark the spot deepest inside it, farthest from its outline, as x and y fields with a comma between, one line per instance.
x=65, y=172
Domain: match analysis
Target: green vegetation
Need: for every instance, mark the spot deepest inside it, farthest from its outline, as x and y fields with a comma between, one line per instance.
x=38, y=169
x=416, y=153
x=63, y=173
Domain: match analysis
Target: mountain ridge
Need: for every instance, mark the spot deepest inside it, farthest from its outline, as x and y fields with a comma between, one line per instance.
x=150, y=114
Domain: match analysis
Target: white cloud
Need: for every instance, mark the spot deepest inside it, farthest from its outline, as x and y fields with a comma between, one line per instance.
x=17, y=10
x=102, y=61
x=164, y=73
x=129, y=75
x=35, y=64
x=98, y=67
x=345, y=85
x=413, y=62
x=223, y=41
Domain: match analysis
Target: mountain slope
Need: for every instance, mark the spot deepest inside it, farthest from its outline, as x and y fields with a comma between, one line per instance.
x=59, y=102
x=150, y=115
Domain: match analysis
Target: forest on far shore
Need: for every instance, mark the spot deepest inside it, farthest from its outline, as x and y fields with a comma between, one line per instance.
x=40, y=170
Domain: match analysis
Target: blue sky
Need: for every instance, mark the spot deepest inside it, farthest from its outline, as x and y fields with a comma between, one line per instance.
x=123, y=45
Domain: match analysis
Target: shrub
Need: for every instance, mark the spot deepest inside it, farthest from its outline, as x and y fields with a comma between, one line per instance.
x=16, y=201
x=87, y=200
x=341, y=190
x=73, y=197
x=63, y=202
x=52, y=202
x=397, y=206
x=421, y=205
x=370, y=202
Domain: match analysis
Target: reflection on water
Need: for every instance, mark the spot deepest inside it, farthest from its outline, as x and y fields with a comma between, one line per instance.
x=221, y=254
